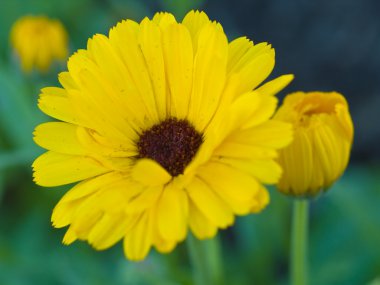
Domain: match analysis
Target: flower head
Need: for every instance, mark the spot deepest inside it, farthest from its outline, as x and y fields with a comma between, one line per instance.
x=163, y=132
x=37, y=41
x=323, y=135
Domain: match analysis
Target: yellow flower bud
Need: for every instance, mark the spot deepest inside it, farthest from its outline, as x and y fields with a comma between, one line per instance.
x=323, y=135
x=37, y=41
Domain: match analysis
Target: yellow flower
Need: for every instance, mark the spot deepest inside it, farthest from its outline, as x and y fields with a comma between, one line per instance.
x=38, y=40
x=162, y=128
x=323, y=135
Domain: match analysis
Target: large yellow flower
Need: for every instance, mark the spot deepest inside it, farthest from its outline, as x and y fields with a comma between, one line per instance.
x=323, y=134
x=38, y=41
x=162, y=128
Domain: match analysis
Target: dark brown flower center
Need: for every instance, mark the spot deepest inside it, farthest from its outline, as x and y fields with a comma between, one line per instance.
x=173, y=143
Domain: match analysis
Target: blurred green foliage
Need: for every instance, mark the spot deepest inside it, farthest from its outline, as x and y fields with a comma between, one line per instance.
x=345, y=223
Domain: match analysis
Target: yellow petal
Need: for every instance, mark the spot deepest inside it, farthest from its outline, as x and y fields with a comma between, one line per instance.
x=297, y=160
x=59, y=137
x=271, y=134
x=276, y=85
x=85, y=218
x=150, y=40
x=113, y=199
x=98, y=144
x=265, y=170
x=325, y=149
x=164, y=246
x=97, y=100
x=240, y=150
x=109, y=230
x=201, y=227
x=94, y=184
x=178, y=54
x=125, y=39
x=161, y=244
x=105, y=56
x=235, y=187
x=256, y=72
x=67, y=81
x=164, y=19
x=54, y=102
x=69, y=237
x=252, y=53
x=241, y=110
x=138, y=240
x=195, y=21
x=210, y=65
x=172, y=214
x=253, y=63
x=150, y=173
x=147, y=198
x=64, y=212
x=345, y=120
x=216, y=210
x=266, y=110
x=261, y=200
x=236, y=50
x=110, y=75
x=53, y=169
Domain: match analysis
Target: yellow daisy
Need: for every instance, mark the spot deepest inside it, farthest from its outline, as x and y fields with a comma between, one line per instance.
x=323, y=135
x=38, y=41
x=162, y=128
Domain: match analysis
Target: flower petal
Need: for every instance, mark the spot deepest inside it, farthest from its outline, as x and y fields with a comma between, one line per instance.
x=138, y=81
x=276, y=85
x=164, y=19
x=138, y=240
x=54, y=169
x=195, y=21
x=55, y=103
x=271, y=134
x=150, y=40
x=261, y=200
x=145, y=200
x=148, y=172
x=235, y=187
x=265, y=170
x=201, y=227
x=178, y=53
x=205, y=199
x=109, y=230
x=60, y=137
x=210, y=65
x=172, y=214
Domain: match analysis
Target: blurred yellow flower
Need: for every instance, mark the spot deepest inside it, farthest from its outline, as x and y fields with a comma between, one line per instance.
x=323, y=135
x=162, y=128
x=38, y=41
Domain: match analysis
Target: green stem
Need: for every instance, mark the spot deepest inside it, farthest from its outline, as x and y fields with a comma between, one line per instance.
x=299, y=263
x=206, y=260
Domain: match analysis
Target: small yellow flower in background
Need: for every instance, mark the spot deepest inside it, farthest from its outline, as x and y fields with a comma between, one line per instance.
x=323, y=135
x=38, y=41
x=163, y=131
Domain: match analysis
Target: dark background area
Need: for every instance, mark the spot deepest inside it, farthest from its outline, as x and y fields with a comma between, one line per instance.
x=329, y=46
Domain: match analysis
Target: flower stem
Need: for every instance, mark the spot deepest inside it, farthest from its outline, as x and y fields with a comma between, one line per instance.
x=299, y=264
x=206, y=260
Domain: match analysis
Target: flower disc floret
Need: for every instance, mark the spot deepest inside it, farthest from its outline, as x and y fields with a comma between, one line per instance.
x=172, y=143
